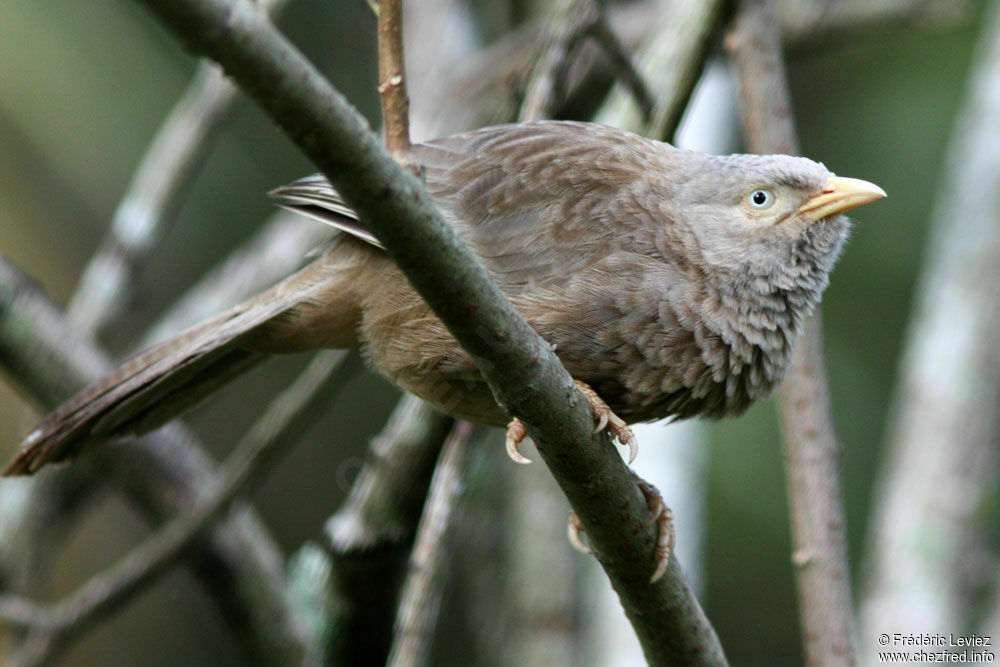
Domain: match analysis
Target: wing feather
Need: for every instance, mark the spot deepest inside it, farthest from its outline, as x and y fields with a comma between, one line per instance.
x=536, y=201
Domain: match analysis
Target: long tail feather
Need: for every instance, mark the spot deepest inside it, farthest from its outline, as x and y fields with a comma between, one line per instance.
x=149, y=389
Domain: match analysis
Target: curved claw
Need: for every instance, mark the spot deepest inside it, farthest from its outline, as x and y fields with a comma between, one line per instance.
x=515, y=434
x=661, y=515
x=602, y=421
x=625, y=437
x=664, y=545
x=665, y=524
x=633, y=449
x=573, y=529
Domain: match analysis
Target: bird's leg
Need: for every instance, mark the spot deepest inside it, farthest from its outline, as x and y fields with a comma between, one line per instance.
x=661, y=515
x=606, y=418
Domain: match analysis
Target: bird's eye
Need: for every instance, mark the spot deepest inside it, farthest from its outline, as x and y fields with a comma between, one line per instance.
x=760, y=198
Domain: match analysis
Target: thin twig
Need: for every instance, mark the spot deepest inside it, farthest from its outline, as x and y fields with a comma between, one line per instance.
x=522, y=369
x=488, y=88
x=49, y=629
x=622, y=63
x=812, y=453
x=392, y=79
x=421, y=595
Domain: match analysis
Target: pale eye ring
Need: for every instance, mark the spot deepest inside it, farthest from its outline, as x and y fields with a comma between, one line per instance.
x=760, y=198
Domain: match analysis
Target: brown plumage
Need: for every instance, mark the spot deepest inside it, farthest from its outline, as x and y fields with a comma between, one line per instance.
x=670, y=281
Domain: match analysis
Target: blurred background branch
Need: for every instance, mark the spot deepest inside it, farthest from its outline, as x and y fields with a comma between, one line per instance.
x=370, y=537
x=162, y=473
x=50, y=628
x=420, y=597
x=930, y=556
x=812, y=453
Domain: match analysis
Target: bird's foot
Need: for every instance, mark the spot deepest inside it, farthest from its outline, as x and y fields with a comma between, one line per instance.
x=607, y=419
x=664, y=518
x=604, y=415
x=660, y=514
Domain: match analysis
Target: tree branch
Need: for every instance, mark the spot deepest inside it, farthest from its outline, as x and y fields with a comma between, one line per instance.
x=935, y=497
x=571, y=22
x=141, y=219
x=522, y=369
x=812, y=454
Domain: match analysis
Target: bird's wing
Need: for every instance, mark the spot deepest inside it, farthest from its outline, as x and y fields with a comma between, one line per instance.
x=314, y=197
x=536, y=201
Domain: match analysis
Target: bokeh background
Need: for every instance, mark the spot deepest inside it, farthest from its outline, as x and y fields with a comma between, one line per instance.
x=83, y=88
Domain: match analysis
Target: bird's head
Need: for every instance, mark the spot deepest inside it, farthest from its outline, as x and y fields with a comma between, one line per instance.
x=772, y=218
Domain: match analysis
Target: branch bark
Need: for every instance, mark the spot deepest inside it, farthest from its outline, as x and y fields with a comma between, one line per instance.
x=146, y=209
x=670, y=67
x=812, y=454
x=522, y=369
x=573, y=21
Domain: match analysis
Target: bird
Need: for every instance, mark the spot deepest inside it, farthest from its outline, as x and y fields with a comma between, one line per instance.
x=671, y=283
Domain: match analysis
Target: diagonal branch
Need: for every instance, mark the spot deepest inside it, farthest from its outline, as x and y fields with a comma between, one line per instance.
x=812, y=453
x=371, y=535
x=670, y=67
x=522, y=369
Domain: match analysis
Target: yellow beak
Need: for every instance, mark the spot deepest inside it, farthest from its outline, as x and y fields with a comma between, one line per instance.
x=839, y=195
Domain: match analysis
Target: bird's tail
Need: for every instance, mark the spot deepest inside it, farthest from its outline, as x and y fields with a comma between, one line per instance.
x=317, y=307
